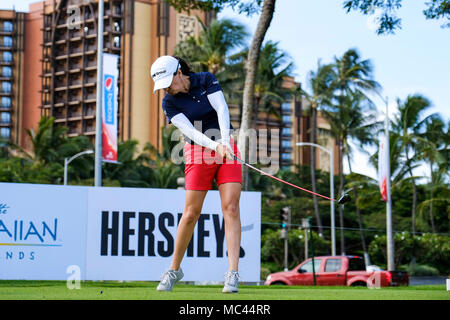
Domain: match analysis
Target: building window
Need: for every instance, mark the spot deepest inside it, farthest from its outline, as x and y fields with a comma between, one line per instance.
x=7, y=41
x=6, y=72
x=186, y=27
x=5, y=133
x=285, y=131
x=287, y=119
x=7, y=26
x=117, y=10
x=116, y=42
x=6, y=87
x=286, y=106
x=286, y=144
x=6, y=102
x=5, y=117
x=7, y=56
x=286, y=156
x=117, y=26
x=163, y=16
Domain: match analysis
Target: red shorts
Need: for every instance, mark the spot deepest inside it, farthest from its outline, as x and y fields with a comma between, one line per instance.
x=203, y=165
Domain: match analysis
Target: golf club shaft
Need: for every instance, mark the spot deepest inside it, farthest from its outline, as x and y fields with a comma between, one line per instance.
x=281, y=180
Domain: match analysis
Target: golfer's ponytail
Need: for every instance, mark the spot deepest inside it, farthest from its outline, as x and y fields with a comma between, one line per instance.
x=185, y=68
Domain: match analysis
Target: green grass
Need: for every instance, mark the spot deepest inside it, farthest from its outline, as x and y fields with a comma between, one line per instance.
x=57, y=290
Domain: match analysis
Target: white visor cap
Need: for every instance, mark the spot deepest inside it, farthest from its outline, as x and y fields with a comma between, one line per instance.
x=162, y=71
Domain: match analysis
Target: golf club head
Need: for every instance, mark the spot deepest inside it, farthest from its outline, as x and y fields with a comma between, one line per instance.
x=344, y=199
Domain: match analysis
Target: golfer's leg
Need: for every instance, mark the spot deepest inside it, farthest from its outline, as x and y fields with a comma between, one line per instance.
x=191, y=213
x=230, y=194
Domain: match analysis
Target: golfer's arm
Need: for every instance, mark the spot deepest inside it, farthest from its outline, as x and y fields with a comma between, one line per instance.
x=217, y=101
x=181, y=122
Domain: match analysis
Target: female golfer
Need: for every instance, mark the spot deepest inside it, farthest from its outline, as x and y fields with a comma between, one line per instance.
x=195, y=104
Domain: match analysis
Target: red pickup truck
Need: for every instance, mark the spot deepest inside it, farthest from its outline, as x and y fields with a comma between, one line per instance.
x=338, y=271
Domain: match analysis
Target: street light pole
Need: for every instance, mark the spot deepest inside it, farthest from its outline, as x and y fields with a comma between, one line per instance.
x=389, y=232
x=331, y=154
x=69, y=160
x=389, y=236
x=99, y=106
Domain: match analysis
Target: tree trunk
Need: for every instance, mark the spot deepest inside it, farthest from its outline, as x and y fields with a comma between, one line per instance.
x=413, y=209
x=433, y=227
x=250, y=75
x=414, y=204
x=313, y=168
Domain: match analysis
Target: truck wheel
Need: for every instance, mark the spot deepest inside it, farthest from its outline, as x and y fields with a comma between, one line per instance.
x=279, y=283
x=359, y=284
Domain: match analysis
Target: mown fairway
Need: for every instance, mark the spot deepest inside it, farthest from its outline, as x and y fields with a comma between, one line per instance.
x=57, y=290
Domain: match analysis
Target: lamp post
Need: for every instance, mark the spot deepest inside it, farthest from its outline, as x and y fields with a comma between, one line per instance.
x=389, y=232
x=99, y=106
x=331, y=154
x=69, y=160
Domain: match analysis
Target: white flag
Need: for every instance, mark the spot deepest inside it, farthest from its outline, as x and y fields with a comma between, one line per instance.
x=382, y=167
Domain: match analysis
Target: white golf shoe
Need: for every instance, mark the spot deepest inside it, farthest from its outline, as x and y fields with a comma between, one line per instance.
x=169, y=278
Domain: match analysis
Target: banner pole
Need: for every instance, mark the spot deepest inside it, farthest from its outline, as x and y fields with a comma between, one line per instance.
x=389, y=234
x=99, y=106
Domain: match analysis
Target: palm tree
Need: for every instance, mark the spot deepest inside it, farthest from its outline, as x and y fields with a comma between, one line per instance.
x=408, y=124
x=209, y=51
x=51, y=145
x=433, y=140
x=352, y=75
x=47, y=141
x=319, y=83
x=355, y=119
x=164, y=172
x=274, y=65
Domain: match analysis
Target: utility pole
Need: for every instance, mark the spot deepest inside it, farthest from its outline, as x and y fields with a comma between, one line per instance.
x=389, y=236
x=99, y=106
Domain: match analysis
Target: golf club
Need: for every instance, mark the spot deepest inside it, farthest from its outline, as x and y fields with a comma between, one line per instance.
x=343, y=199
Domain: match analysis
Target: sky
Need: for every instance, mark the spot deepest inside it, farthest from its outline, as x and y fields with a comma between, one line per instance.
x=416, y=59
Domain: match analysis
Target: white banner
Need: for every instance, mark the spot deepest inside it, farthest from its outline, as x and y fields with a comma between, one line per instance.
x=131, y=235
x=42, y=230
x=48, y=232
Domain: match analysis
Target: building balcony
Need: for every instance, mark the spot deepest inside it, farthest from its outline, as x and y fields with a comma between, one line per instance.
x=59, y=87
x=8, y=33
x=6, y=62
x=7, y=48
x=60, y=119
x=74, y=101
x=5, y=108
x=74, y=118
x=4, y=123
x=90, y=131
